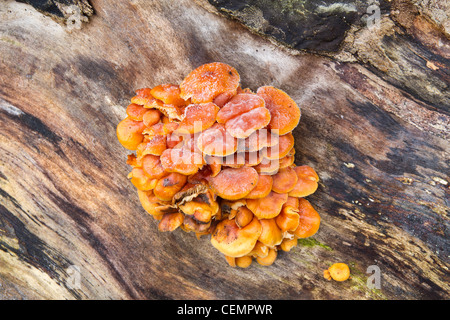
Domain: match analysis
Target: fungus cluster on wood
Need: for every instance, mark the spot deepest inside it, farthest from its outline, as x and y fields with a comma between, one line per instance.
x=216, y=159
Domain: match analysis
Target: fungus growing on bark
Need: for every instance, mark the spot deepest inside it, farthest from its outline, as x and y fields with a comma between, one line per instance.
x=215, y=159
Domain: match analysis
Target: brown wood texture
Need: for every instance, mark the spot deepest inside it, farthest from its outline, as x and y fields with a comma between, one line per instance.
x=379, y=146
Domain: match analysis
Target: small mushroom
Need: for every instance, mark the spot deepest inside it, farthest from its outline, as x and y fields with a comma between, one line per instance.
x=262, y=189
x=154, y=145
x=152, y=167
x=288, y=244
x=259, y=250
x=284, y=111
x=243, y=216
x=245, y=124
x=309, y=220
x=143, y=96
x=288, y=219
x=206, y=82
x=151, y=117
x=168, y=93
x=260, y=139
x=269, y=259
x=337, y=272
x=191, y=224
x=214, y=163
x=286, y=161
x=285, y=180
x=170, y=222
x=216, y=141
x=141, y=181
x=198, y=118
x=239, y=104
x=244, y=262
x=136, y=112
x=233, y=241
x=267, y=166
x=168, y=186
x=129, y=133
x=234, y=183
x=307, y=182
x=268, y=207
x=181, y=160
x=227, y=207
x=203, y=207
x=282, y=149
x=271, y=235
x=152, y=204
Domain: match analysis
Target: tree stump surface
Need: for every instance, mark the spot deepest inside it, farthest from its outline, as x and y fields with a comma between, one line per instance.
x=375, y=126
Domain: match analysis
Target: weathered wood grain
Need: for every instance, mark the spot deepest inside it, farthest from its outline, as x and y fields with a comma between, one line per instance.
x=380, y=149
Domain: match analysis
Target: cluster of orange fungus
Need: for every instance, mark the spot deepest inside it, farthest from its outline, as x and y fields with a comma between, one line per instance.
x=215, y=159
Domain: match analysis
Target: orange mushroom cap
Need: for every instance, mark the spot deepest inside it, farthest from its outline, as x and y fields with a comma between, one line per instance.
x=234, y=183
x=282, y=149
x=198, y=117
x=141, y=181
x=288, y=219
x=247, y=123
x=262, y=189
x=268, y=207
x=172, y=112
x=244, y=114
x=284, y=111
x=307, y=182
x=239, y=104
x=244, y=262
x=181, y=160
x=151, y=117
x=202, y=207
x=284, y=180
x=271, y=234
x=208, y=81
x=191, y=224
x=136, y=112
x=286, y=161
x=216, y=141
x=168, y=186
x=129, y=133
x=152, y=167
x=288, y=244
x=309, y=220
x=267, y=167
x=260, y=139
x=170, y=222
x=143, y=96
x=151, y=203
x=243, y=216
x=223, y=98
x=233, y=241
x=154, y=145
x=269, y=259
x=168, y=94
x=259, y=250
x=338, y=272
